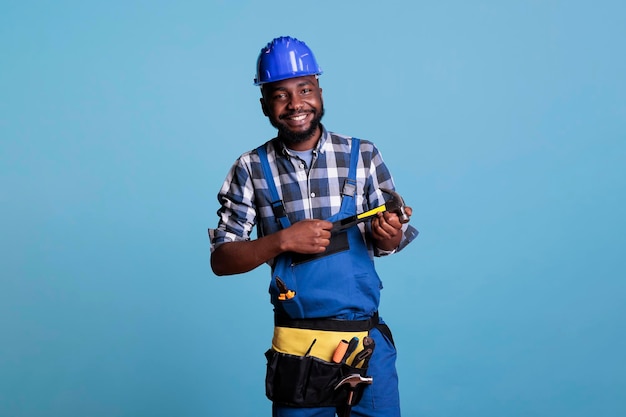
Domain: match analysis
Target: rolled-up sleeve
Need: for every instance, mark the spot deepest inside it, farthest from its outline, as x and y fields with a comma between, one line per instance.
x=237, y=212
x=380, y=177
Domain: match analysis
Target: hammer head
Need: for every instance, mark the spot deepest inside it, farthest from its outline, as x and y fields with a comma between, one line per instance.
x=354, y=380
x=396, y=204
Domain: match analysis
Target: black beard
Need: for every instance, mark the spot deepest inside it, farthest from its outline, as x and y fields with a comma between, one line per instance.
x=292, y=138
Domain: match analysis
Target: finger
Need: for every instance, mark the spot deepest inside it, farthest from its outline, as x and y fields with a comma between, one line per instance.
x=392, y=220
x=325, y=224
x=323, y=242
x=325, y=227
x=381, y=229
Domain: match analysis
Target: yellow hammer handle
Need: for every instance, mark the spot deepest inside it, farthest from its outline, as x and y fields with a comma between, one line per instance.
x=372, y=212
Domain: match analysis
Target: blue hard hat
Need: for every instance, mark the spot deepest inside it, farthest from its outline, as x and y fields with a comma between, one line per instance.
x=284, y=58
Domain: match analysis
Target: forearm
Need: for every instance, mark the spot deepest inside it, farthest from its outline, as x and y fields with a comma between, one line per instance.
x=306, y=236
x=238, y=257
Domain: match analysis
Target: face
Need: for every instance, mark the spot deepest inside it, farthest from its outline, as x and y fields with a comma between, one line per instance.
x=295, y=107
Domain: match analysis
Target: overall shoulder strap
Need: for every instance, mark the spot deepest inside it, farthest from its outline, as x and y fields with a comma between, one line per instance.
x=349, y=185
x=277, y=204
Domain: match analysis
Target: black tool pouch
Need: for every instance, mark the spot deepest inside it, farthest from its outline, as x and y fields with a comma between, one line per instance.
x=307, y=381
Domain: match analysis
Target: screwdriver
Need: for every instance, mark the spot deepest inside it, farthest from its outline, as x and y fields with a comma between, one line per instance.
x=354, y=342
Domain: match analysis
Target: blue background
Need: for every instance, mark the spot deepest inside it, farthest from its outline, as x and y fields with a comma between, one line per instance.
x=504, y=124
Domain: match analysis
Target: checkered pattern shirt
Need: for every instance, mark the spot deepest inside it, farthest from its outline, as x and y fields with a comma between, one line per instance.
x=313, y=193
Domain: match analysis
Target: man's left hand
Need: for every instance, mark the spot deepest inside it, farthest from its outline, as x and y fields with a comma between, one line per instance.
x=387, y=229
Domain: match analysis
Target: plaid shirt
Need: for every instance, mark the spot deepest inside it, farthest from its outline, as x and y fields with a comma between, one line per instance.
x=313, y=193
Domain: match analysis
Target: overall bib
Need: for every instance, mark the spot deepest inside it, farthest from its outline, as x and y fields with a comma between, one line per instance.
x=342, y=282
x=339, y=289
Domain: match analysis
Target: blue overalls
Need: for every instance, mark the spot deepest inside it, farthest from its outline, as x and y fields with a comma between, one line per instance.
x=341, y=284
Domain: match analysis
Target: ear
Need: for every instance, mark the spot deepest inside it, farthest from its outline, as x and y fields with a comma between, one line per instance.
x=264, y=106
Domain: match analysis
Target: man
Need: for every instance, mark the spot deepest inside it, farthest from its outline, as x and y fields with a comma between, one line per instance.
x=296, y=188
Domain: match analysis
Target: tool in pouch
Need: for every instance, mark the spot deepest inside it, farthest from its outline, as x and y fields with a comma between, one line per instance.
x=363, y=357
x=355, y=383
x=284, y=292
x=344, y=350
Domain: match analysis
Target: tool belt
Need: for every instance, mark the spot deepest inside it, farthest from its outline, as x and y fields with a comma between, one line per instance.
x=301, y=370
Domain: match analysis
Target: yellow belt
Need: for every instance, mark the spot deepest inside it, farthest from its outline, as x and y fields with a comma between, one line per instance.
x=322, y=343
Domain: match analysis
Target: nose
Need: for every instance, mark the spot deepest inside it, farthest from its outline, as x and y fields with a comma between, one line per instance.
x=295, y=102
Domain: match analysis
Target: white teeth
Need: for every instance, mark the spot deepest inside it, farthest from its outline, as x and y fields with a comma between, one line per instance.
x=298, y=118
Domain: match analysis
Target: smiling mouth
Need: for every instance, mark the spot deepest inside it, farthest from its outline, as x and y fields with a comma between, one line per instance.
x=296, y=117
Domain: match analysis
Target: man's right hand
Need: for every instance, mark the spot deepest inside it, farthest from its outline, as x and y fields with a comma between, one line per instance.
x=307, y=236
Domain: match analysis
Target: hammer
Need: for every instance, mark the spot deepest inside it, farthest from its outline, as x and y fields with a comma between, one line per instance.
x=352, y=382
x=394, y=204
